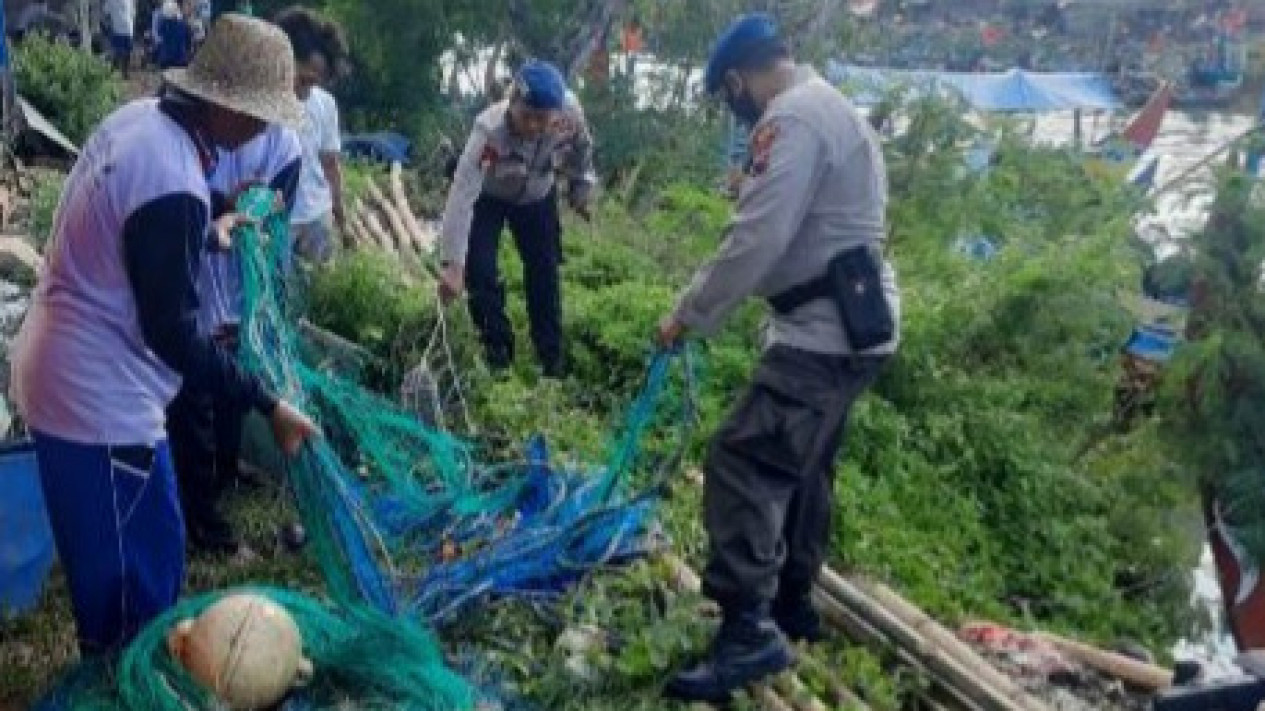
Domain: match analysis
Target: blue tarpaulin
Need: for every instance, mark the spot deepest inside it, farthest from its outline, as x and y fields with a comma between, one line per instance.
x=4, y=42
x=1015, y=90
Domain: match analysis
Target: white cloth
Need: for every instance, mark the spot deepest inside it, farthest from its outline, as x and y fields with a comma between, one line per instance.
x=319, y=136
x=81, y=368
x=121, y=16
x=220, y=281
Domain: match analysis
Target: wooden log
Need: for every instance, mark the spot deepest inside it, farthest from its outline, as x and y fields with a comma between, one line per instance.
x=934, y=632
x=939, y=660
x=770, y=700
x=792, y=688
x=363, y=212
x=364, y=238
x=357, y=232
x=843, y=697
x=396, y=229
x=861, y=632
x=333, y=342
x=1131, y=671
x=423, y=240
x=379, y=234
x=395, y=193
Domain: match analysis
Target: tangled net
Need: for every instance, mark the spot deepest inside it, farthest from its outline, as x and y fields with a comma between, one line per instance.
x=406, y=526
x=401, y=516
x=367, y=660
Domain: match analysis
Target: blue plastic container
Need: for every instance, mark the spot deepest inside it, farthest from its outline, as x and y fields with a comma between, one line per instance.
x=26, y=542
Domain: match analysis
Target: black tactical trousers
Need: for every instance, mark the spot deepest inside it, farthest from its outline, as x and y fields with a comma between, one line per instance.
x=537, y=232
x=769, y=488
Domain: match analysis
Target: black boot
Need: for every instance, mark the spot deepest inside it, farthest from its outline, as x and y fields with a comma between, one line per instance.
x=748, y=647
x=797, y=618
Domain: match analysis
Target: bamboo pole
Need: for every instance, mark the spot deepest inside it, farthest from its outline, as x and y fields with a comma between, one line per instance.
x=1118, y=666
x=959, y=674
x=379, y=234
x=361, y=210
x=356, y=228
x=422, y=240
x=938, y=635
x=770, y=700
x=843, y=696
x=797, y=694
x=398, y=232
x=860, y=631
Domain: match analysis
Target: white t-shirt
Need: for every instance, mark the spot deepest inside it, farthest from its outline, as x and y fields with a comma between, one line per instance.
x=81, y=368
x=122, y=16
x=313, y=200
x=220, y=280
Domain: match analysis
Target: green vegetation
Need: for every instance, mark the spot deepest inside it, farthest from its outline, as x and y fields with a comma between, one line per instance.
x=73, y=88
x=961, y=484
x=44, y=196
x=964, y=483
x=1212, y=407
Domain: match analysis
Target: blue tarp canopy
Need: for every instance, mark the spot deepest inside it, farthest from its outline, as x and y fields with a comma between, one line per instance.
x=1015, y=90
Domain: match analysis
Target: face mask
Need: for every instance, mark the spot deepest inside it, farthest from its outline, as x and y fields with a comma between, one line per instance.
x=743, y=107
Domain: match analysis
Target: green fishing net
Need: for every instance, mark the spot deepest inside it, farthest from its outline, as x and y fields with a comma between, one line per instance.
x=406, y=527
x=363, y=659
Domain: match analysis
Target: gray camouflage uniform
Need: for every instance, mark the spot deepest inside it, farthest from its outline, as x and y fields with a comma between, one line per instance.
x=498, y=164
x=504, y=179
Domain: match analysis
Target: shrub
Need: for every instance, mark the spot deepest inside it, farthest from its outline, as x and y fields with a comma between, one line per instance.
x=73, y=88
x=45, y=196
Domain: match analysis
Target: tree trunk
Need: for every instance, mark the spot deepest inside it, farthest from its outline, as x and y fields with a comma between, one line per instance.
x=490, y=88
x=593, y=30
x=85, y=25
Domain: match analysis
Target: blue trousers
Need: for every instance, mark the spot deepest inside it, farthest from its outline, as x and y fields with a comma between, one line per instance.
x=119, y=533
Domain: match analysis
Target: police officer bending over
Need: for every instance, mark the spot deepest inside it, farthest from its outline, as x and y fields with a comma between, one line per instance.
x=806, y=237
x=506, y=174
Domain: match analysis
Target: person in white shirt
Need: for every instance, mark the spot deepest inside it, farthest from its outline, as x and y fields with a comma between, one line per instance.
x=120, y=19
x=319, y=53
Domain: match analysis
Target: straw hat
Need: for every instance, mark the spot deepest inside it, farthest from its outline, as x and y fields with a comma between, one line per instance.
x=245, y=65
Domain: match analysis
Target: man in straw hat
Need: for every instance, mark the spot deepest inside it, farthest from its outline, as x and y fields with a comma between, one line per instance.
x=112, y=330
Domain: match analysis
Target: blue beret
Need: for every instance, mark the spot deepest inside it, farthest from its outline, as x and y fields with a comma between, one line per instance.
x=541, y=85
x=747, y=34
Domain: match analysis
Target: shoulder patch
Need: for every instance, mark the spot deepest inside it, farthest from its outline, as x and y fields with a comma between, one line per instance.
x=488, y=158
x=762, y=147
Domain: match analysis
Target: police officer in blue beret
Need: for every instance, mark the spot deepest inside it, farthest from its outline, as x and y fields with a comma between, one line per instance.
x=506, y=174
x=806, y=237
